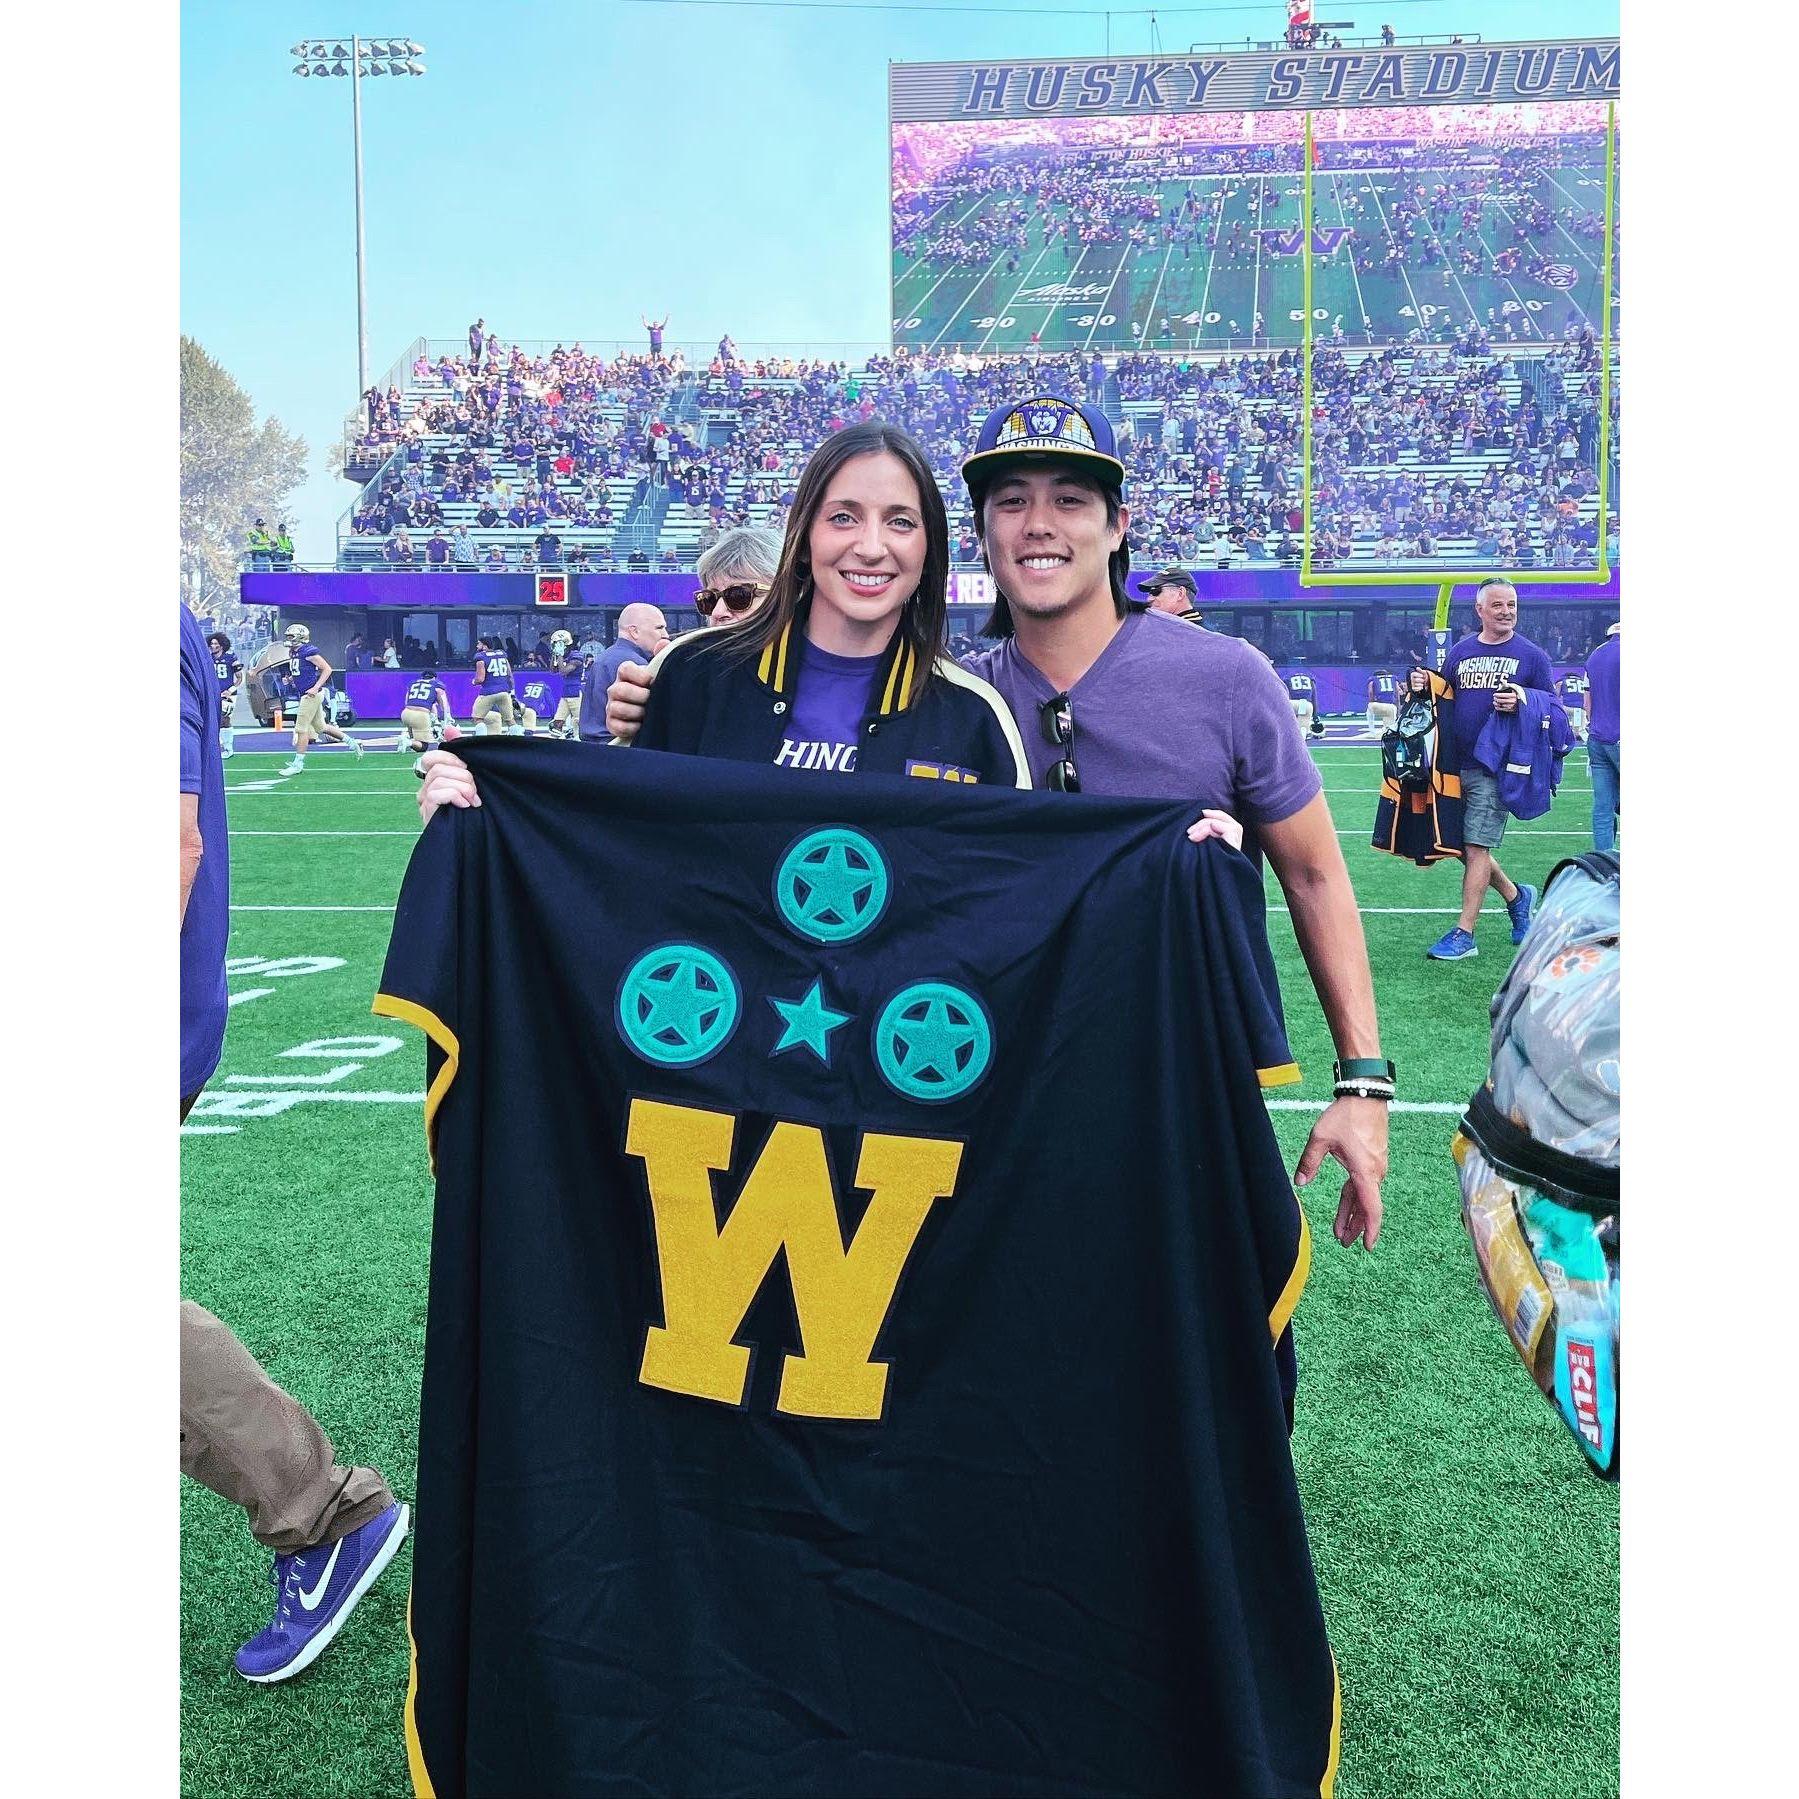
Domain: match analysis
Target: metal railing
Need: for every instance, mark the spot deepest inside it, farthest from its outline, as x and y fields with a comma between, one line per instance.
x=1404, y=40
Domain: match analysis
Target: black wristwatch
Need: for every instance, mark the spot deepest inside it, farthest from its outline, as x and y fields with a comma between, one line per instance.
x=1364, y=1077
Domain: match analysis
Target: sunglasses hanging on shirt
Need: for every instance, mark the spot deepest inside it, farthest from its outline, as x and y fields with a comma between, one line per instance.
x=1056, y=715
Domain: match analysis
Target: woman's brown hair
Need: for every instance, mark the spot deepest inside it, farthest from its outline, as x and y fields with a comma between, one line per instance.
x=924, y=621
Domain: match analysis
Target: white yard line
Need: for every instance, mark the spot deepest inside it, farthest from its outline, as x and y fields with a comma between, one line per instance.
x=1255, y=292
x=321, y=833
x=950, y=323
x=1024, y=281
x=918, y=267
x=1417, y=312
x=1154, y=295
x=1343, y=219
x=1107, y=301
x=387, y=908
x=1216, y=228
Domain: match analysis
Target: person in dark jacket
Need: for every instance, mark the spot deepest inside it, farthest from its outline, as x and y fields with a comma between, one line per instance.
x=844, y=668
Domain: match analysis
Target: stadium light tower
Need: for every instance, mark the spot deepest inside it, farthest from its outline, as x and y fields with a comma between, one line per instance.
x=356, y=57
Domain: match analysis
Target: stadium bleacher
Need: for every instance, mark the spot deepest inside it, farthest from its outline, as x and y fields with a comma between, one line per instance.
x=1458, y=439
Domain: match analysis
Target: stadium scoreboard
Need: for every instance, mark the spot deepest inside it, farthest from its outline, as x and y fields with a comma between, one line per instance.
x=1152, y=202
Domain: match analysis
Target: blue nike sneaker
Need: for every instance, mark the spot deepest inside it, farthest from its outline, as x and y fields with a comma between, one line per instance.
x=1518, y=911
x=1455, y=945
x=315, y=1591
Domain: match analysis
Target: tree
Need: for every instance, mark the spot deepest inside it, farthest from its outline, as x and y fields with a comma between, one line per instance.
x=233, y=472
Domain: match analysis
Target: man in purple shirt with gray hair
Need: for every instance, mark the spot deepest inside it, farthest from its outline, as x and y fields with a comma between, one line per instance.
x=332, y=1530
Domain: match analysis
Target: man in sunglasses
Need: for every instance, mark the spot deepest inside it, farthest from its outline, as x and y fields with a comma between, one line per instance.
x=642, y=631
x=1175, y=592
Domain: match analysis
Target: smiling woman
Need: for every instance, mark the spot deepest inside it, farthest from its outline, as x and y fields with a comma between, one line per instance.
x=845, y=667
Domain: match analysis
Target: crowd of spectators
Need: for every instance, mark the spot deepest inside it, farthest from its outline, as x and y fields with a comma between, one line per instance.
x=1457, y=439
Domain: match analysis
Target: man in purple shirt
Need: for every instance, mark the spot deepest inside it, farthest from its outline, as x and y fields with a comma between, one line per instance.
x=1127, y=701
x=332, y=1529
x=1602, y=738
x=1481, y=676
x=642, y=632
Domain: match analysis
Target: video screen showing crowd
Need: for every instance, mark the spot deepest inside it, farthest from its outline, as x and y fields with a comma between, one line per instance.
x=1186, y=230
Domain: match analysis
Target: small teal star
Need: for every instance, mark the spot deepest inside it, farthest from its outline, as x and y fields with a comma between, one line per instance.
x=932, y=1042
x=809, y=1023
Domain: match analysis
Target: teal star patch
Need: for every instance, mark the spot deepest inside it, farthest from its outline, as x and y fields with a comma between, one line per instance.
x=809, y=1023
x=832, y=885
x=933, y=1041
x=678, y=1002
x=677, y=1005
x=831, y=890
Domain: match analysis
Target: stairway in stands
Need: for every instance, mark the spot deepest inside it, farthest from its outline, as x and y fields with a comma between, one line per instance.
x=642, y=525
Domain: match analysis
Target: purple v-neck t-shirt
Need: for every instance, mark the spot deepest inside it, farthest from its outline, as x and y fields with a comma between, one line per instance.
x=1169, y=711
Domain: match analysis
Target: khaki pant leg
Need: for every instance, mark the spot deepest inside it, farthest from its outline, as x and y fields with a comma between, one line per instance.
x=310, y=719
x=417, y=722
x=252, y=1444
x=486, y=706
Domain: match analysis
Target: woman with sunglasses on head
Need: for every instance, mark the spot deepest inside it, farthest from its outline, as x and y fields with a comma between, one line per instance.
x=844, y=667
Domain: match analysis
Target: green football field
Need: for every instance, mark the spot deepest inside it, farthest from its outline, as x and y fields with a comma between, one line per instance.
x=1468, y=1561
x=1112, y=297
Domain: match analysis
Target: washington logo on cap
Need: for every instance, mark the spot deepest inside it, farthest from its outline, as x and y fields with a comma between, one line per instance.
x=1046, y=425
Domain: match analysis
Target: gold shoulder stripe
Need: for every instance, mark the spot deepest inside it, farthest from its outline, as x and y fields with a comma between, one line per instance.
x=415, y=1750
x=1328, y=1785
x=905, y=698
x=387, y=1005
x=1288, y=1303
x=897, y=656
x=781, y=657
x=767, y=662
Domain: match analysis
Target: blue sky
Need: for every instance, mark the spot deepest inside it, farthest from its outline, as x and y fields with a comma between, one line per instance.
x=569, y=165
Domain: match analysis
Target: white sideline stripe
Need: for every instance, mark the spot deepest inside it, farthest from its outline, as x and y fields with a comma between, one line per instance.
x=312, y=908
x=209, y=1130
x=336, y=793
x=1396, y=1105
x=415, y=833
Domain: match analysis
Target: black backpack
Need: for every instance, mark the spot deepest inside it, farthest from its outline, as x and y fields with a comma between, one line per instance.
x=1408, y=750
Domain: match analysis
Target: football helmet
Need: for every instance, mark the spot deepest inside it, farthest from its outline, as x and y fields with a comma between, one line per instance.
x=561, y=642
x=297, y=634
